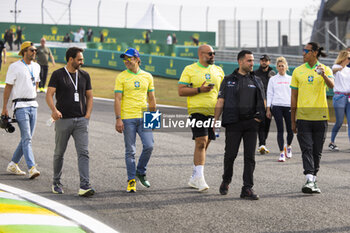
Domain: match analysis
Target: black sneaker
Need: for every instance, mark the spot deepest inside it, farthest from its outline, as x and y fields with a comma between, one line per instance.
x=248, y=193
x=333, y=147
x=223, y=188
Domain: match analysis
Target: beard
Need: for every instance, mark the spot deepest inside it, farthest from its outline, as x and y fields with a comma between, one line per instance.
x=76, y=66
x=210, y=61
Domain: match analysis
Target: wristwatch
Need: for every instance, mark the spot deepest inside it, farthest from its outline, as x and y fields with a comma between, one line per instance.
x=118, y=117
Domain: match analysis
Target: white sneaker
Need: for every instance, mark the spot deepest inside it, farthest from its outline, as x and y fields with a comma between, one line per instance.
x=263, y=150
x=33, y=172
x=198, y=183
x=282, y=157
x=14, y=169
x=289, y=152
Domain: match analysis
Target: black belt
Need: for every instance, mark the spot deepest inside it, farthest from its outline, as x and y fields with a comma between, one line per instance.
x=23, y=100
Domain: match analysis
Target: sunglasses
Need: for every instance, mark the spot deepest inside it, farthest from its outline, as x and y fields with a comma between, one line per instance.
x=306, y=51
x=33, y=50
x=127, y=58
x=211, y=53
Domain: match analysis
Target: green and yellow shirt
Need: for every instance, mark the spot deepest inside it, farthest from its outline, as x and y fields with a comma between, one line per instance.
x=134, y=89
x=196, y=74
x=312, y=96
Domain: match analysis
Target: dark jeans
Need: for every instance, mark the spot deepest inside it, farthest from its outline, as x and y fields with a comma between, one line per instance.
x=311, y=136
x=264, y=128
x=280, y=113
x=43, y=75
x=246, y=129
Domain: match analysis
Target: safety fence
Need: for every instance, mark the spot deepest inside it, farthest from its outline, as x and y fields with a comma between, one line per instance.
x=110, y=35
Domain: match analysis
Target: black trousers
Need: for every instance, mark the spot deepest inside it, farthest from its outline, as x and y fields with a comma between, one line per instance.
x=43, y=75
x=246, y=129
x=311, y=136
x=264, y=128
x=280, y=113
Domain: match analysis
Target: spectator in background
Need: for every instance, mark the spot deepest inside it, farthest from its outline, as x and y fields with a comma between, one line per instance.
x=264, y=72
x=89, y=34
x=102, y=37
x=174, y=38
x=195, y=40
x=148, y=36
x=2, y=52
x=278, y=104
x=18, y=37
x=341, y=95
x=76, y=36
x=9, y=38
x=5, y=36
x=43, y=55
x=348, y=49
x=82, y=34
x=66, y=38
x=169, y=40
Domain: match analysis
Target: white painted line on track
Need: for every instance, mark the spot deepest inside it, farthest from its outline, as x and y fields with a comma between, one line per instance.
x=74, y=215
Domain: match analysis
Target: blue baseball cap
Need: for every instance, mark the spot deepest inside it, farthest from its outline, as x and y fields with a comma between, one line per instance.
x=130, y=52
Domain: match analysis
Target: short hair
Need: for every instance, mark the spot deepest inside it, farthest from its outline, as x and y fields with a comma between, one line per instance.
x=281, y=60
x=242, y=54
x=343, y=55
x=72, y=52
x=316, y=47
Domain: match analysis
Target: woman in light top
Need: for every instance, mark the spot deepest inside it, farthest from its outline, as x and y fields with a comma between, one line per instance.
x=341, y=98
x=278, y=105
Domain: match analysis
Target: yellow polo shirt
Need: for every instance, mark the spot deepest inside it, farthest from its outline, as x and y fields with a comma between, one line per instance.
x=312, y=97
x=134, y=89
x=196, y=74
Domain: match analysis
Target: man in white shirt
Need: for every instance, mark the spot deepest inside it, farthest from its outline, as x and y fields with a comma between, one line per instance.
x=22, y=81
x=169, y=40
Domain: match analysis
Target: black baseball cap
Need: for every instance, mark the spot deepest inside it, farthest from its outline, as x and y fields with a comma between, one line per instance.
x=266, y=57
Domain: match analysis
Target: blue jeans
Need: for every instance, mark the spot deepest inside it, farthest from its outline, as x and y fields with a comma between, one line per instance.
x=26, y=118
x=341, y=107
x=131, y=127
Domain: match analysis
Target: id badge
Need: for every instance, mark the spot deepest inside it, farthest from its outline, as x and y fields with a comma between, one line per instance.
x=76, y=97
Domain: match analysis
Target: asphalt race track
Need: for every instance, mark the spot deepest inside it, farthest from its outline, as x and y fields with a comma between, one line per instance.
x=170, y=205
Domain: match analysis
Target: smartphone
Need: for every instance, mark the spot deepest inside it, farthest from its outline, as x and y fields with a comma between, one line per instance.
x=211, y=84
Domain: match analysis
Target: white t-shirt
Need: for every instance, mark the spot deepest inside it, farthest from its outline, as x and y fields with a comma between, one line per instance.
x=18, y=75
x=169, y=40
x=341, y=79
x=278, y=91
